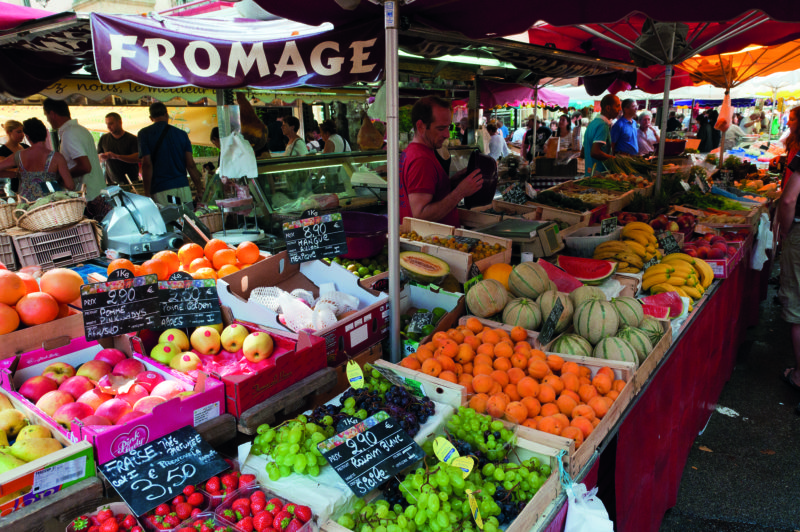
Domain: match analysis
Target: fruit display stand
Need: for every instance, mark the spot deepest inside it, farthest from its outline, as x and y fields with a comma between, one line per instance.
x=477, y=217
x=429, y=298
x=46, y=336
x=368, y=356
x=533, y=336
x=620, y=199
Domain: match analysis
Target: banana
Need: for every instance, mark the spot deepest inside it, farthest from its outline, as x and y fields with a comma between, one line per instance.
x=621, y=265
x=632, y=258
x=705, y=273
x=641, y=226
x=676, y=281
x=614, y=245
x=653, y=280
x=658, y=254
x=648, y=257
x=606, y=255
x=682, y=292
x=637, y=236
x=628, y=270
x=653, y=240
x=692, y=291
x=637, y=248
x=663, y=287
x=650, y=248
x=658, y=269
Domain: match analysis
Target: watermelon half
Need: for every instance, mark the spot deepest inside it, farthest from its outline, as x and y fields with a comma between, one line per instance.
x=671, y=300
x=588, y=271
x=656, y=311
x=565, y=282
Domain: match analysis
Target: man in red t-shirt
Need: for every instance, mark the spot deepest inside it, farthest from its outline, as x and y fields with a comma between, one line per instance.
x=424, y=185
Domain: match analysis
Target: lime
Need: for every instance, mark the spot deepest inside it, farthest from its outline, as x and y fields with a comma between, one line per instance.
x=438, y=313
x=377, y=272
x=363, y=271
x=337, y=260
x=428, y=329
x=352, y=268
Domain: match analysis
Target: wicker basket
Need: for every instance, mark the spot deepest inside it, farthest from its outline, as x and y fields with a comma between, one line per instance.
x=54, y=215
x=212, y=220
x=7, y=216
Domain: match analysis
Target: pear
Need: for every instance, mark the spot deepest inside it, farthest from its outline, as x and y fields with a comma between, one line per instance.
x=12, y=421
x=8, y=462
x=5, y=404
x=34, y=431
x=32, y=448
x=3, y=439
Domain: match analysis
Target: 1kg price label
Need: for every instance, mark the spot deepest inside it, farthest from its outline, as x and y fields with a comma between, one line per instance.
x=122, y=305
x=315, y=238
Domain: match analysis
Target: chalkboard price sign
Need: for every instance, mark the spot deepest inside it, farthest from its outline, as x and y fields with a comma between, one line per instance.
x=315, y=238
x=608, y=226
x=156, y=472
x=188, y=302
x=549, y=327
x=371, y=452
x=120, y=306
x=702, y=183
x=668, y=242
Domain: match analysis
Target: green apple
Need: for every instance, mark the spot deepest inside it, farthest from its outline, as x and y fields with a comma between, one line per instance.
x=216, y=326
x=177, y=337
x=185, y=362
x=233, y=337
x=164, y=352
x=257, y=346
x=206, y=340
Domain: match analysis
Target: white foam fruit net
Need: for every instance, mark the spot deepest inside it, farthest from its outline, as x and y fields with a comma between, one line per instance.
x=300, y=310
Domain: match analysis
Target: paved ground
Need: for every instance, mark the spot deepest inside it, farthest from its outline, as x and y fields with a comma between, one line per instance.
x=743, y=473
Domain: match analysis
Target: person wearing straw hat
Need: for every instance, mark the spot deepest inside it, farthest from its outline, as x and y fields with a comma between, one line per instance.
x=597, y=139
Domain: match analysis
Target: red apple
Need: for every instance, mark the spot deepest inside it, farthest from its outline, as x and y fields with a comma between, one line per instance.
x=94, y=369
x=94, y=398
x=702, y=252
x=147, y=404
x=76, y=386
x=52, y=401
x=149, y=379
x=94, y=419
x=130, y=416
x=136, y=392
x=35, y=387
x=113, y=409
x=129, y=368
x=112, y=356
x=71, y=411
x=168, y=389
x=59, y=372
x=709, y=236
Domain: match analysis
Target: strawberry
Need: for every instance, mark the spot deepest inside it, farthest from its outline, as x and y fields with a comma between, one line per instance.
x=258, y=494
x=120, y=517
x=290, y=507
x=195, y=499
x=172, y=520
x=231, y=515
x=213, y=485
x=262, y=520
x=104, y=515
x=196, y=511
x=179, y=499
x=246, y=524
x=94, y=528
x=137, y=528
x=109, y=525
x=257, y=505
x=303, y=513
x=129, y=522
x=230, y=481
x=242, y=504
x=294, y=526
x=183, y=510
x=281, y=520
x=162, y=510
x=207, y=526
x=188, y=490
x=246, y=480
x=81, y=523
x=274, y=505
x=186, y=529
x=222, y=528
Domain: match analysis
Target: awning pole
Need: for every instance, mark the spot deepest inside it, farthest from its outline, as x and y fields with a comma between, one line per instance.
x=533, y=131
x=393, y=175
x=663, y=137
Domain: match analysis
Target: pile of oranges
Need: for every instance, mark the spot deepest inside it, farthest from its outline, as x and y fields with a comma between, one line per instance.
x=506, y=378
x=213, y=261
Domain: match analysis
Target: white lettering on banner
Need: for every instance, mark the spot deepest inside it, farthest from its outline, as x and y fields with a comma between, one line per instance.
x=239, y=57
x=290, y=52
x=155, y=58
x=334, y=63
x=189, y=57
x=359, y=56
x=118, y=51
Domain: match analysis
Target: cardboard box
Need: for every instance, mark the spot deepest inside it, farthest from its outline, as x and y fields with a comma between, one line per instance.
x=430, y=297
x=20, y=486
x=45, y=336
x=347, y=337
x=113, y=441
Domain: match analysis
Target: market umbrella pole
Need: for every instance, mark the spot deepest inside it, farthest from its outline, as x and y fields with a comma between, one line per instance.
x=662, y=138
x=393, y=175
x=533, y=132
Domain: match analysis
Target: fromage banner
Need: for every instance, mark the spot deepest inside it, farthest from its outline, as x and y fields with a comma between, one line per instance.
x=160, y=51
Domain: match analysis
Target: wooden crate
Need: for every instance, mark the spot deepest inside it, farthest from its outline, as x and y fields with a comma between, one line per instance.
x=477, y=217
x=438, y=390
x=514, y=208
x=655, y=357
x=533, y=336
x=620, y=201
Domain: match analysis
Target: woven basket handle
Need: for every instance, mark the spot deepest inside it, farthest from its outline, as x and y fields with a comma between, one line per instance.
x=20, y=199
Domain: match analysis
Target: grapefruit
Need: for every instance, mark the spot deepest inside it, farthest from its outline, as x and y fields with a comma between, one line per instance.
x=63, y=284
x=170, y=258
x=247, y=253
x=9, y=319
x=30, y=282
x=212, y=246
x=37, y=308
x=12, y=287
x=188, y=253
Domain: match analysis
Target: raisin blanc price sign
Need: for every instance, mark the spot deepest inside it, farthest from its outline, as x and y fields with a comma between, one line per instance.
x=315, y=237
x=371, y=452
x=158, y=471
x=121, y=305
x=187, y=302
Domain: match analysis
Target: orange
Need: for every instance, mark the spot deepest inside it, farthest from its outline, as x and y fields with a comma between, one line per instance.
x=587, y=391
x=37, y=308
x=538, y=369
x=496, y=406
x=170, y=258
x=478, y=402
x=511, y=391
x=204, y=273
x=456, y=336
x=500, y=376
x=555, y=362
x=411, y=362
x=583, y=410
x=223, y=257
x=247, y=253
x=549, y=409
x=516, y=412
x=518, y=334
x=571, y=381
x=519, y=361
x=605, y=370
x=432, y=367
x=546, y=394
x=137, y=270
x=448, y=376
x=63, y=284
x=555, y=382
x=570, y=367
x=31, y=285
x=446, y=362
x=156, y=267
x=532, y=405
x=618, y=385
x=196, y=264
x=548, y=424
x=573, y=433
x=528, y=387
x=118, y=264
x=474, y=325
x=504, y=350
x=482, y=369
x=188, y=253
x=602, y=382
x=465, y=354
x=503, y=364
x=599, y=406
x=212, y=246
x=227, y=270
x=9, y=319
x=515, y=375
x=566, y=404
x=583, y=423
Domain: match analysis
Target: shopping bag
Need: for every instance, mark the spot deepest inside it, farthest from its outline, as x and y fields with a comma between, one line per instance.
x=237, y=158
x=585, y=512
x=725, y=114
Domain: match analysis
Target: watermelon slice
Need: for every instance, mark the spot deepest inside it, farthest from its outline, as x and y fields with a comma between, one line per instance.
x=565, y=282
x=656, y=311
x=666, y=299
x=588, y=271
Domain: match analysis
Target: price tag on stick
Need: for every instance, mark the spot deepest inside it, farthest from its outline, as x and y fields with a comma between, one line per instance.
x=188, y=302
x=668, y=242
x=549, y=327
x=608, y=226
x=121, y=305
x=157, y=472
x=315, y=237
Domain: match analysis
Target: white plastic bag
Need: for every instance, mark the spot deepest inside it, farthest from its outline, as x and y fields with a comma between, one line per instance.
x=764, y=240
x=237, y=158
x=586, y=512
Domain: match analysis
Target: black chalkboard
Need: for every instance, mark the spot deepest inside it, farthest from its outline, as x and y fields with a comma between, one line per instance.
x=346, y=422
x=549, y=327
x=649, y=263
x=158, y=471
x=120, y=306
x=370, y=453
x=315, y=238
x=668, y=242
x=187, y=302
x=419, y=320
x=702, y=183
x=608, y=226
x=726, y=176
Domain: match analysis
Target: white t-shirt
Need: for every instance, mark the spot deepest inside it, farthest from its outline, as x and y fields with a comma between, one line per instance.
x=497, y=147
x=339, y=144
x=518, y=134
x=76, y=141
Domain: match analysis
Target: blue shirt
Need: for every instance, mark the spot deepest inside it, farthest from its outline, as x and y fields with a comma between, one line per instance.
x=596, y=132
x=169, y=166
x=504, y=129
x=625, y=137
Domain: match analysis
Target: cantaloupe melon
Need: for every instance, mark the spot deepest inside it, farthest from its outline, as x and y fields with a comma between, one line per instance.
x=523, y=312
x=487, y=298
x=571, y=344
x=616, y=349
x=629, y=311
x=528, y=280
x=546, y=302
x=595, y=320
x=585, y=293
x=652, y=327
x=638, y=339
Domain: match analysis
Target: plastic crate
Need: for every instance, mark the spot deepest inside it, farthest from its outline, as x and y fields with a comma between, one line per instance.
x=582, y=242
x=58, y=248
x=7, y=256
